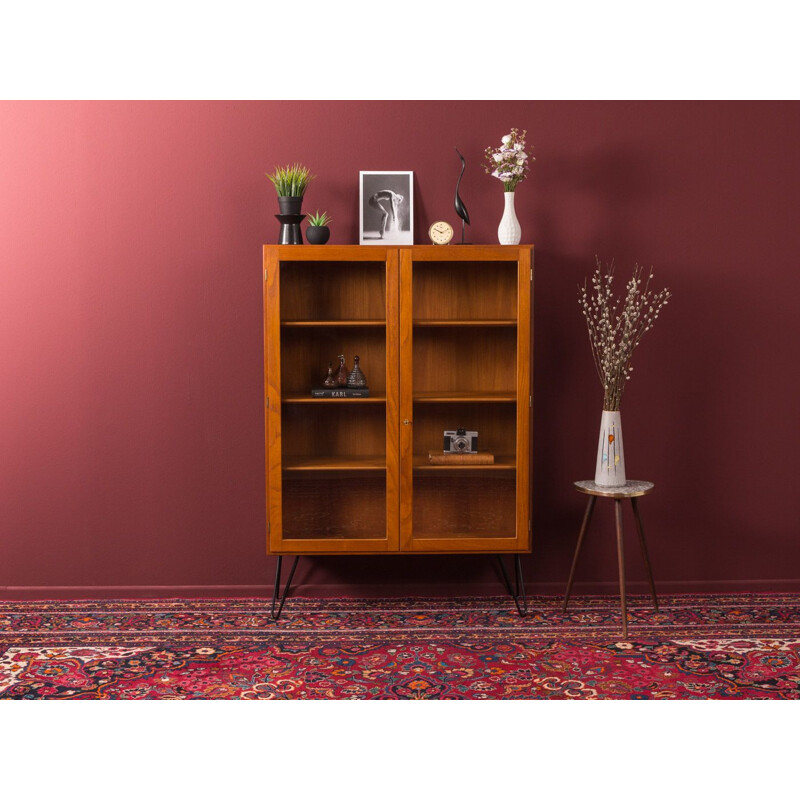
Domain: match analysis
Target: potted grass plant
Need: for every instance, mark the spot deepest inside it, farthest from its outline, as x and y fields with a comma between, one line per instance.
x=290, y=183
x=318, y=231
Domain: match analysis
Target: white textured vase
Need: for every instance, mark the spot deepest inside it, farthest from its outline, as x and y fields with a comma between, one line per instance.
x=509, y=231
x=610, y=468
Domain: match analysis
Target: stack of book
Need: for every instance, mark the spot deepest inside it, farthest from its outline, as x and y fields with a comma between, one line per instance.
x=343, y=392
x=439, y=458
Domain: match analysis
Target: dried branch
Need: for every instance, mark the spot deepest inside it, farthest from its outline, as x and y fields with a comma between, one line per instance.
x=614, y=334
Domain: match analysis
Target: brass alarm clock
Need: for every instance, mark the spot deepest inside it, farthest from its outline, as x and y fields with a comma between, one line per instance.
x=441, y=232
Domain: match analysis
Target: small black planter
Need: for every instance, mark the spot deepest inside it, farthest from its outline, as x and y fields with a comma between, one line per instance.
x=290, y=205
x=318, y=234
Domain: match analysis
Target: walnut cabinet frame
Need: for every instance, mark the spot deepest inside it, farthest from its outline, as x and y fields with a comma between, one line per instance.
x=444, y=337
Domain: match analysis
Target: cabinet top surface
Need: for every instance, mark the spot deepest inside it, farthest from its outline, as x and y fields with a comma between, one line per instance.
x=326, y=252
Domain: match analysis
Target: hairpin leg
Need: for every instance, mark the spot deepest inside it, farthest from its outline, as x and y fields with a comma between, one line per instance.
x=520, y=584
x=275, y=614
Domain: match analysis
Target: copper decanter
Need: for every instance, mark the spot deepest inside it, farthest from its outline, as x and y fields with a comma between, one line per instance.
x=330, y=380
x=341, y=375
x=356, y=379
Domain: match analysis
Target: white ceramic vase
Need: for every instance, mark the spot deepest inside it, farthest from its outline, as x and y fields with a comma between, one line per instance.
x=610, y=468
x=509, y=232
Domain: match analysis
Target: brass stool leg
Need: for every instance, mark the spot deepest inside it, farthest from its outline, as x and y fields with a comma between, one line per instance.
x=621, y=559
x=584, y=527
x=640, y=530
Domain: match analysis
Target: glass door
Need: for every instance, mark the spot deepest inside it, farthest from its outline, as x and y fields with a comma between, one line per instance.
x=465, y=398
x=332, y=451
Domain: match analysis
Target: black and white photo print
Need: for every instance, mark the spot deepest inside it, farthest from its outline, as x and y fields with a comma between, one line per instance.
x=387, y=208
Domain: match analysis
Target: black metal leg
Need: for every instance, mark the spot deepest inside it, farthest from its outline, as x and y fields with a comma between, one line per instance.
x=520, y=584
x=505, y=575
x=272, y=612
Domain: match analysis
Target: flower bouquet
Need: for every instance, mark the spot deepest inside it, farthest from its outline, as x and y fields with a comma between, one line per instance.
x=510, y=164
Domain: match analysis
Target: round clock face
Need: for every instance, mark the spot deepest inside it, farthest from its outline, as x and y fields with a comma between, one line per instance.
x=440, y=232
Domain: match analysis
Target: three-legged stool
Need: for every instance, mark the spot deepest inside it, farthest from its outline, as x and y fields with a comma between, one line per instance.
x=633, y=490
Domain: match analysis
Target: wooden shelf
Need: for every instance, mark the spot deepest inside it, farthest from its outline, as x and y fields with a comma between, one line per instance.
x=465, y=397
x=465, y=323
x=333, y=323
x=463, y=361
x=333, y=463
x=375, y=397
x=465, y=506
x=422, y=464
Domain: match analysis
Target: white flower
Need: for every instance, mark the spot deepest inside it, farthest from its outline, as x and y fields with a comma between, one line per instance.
x=508, y=162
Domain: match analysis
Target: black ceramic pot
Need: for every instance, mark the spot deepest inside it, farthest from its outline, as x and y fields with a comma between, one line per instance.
x=290, y=205
x=318, y=234
x=290, y=228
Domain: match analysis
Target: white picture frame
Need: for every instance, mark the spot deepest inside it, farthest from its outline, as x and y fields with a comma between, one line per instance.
x=384, y=219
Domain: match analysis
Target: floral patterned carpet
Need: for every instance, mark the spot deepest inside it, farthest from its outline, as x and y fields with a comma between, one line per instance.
x=696, y=647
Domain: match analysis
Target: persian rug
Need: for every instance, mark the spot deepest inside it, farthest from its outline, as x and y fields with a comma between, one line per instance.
x=696, y=647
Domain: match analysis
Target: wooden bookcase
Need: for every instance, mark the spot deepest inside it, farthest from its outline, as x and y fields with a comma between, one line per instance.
x=444, y=337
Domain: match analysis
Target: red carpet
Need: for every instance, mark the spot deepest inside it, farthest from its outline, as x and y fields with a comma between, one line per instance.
x=735, y=646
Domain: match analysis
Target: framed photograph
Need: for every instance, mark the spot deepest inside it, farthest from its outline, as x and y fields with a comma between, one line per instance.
x=387, y=208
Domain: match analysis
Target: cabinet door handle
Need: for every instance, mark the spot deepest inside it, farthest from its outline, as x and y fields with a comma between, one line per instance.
x=406, y=422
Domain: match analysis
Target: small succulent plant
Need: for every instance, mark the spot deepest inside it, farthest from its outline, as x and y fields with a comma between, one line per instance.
x=291, y=180
x=318, y=220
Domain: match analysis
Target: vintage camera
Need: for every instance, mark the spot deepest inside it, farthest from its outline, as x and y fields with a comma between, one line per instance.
x=461, y=441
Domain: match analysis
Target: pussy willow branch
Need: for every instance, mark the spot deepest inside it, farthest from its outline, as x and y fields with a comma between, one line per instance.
x=614, y=335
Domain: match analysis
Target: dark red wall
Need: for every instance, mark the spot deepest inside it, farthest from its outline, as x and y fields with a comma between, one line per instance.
x=131, y=427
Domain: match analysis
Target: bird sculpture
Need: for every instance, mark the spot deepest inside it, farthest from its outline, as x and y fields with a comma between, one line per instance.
x=461, y=209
